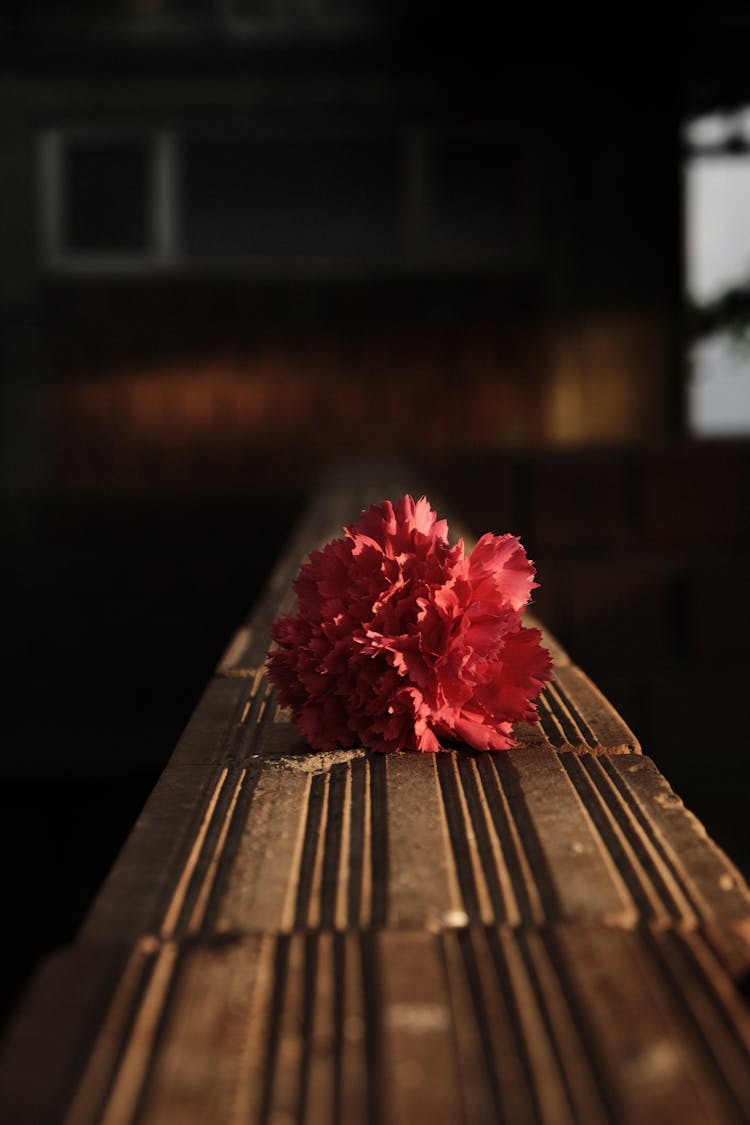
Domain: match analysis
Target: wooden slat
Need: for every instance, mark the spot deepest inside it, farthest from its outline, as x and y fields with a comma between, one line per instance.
x=73, y=1025
x=419, y=1072
x=573, y=1023
x=209, y=1062
x=642, y=1036
x=261, y=887
x=574, y=716
x=349, y=840
x=421, y=880
x=133, y=897
x=712, y=884
x=576, y=874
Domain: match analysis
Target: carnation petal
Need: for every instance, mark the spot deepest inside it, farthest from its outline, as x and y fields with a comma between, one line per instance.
x=482, y=736
x=498, y=566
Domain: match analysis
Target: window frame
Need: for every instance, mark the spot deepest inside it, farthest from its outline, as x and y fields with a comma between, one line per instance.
x=162, y=201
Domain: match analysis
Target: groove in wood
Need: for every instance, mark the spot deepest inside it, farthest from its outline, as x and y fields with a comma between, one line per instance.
x=521, y=838
x=575, y=716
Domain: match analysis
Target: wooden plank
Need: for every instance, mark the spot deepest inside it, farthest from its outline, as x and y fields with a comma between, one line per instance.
x=419, y=1074
x=422, y=886
x=494, y=1017
x=649, y=1051
x=574, y=870
x=357, y=1032
x=73, y=1022
x=568, y=1023
x=651, y=881
x=133, y=898
x=590, y=709
x=562, y=1026
x=183, y=1042
x=479, y=1094
x=305, y=854
x=709, y=880
x=531, y=846
x=574, y=716
x=719, y=1016
x=595, y=1024
x=263, y=881
x=308, y=840
x=484, y=881
x=123, y=1095
x=542, y=935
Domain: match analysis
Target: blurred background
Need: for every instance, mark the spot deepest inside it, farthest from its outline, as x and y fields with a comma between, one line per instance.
x=243, y=239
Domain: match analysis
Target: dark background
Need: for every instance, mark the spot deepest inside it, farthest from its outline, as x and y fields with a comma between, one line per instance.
x=387, y=231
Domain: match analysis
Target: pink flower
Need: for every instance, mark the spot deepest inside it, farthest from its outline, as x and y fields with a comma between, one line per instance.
x=402, y=641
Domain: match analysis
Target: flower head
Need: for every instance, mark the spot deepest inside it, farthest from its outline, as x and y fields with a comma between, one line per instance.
x=402, y=641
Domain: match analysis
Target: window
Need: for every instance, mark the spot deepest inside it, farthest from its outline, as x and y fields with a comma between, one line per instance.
x=717, y=213
x=106, y=199
x=123, y=201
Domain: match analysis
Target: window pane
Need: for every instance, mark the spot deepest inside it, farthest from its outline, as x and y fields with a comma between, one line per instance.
x=328, y=198
x=718, y=224
x=105, y=192
x=717, y=212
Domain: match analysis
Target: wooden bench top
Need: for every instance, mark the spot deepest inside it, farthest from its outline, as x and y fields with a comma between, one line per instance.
x=543, y=935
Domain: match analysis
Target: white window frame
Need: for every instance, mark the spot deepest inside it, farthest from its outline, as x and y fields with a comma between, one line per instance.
x=162, y=202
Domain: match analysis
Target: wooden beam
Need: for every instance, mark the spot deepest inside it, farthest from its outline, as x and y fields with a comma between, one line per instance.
x=545, y=934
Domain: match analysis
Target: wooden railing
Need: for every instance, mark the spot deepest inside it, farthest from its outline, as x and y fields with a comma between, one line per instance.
x=288, y=936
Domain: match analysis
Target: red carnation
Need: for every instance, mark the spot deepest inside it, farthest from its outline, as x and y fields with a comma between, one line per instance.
x=402, y=641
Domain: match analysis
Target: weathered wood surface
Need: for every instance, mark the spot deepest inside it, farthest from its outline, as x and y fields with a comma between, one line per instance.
x=288, y=936
x=564, y=1023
